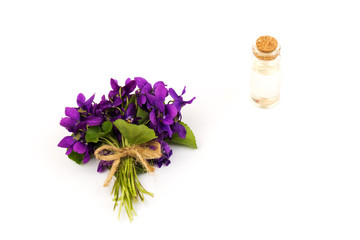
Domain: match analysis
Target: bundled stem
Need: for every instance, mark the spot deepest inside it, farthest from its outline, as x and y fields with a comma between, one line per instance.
x=127, y=187
x=128, y=161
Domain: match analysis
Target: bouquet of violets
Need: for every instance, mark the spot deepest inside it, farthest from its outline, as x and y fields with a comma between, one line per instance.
x=129, y=132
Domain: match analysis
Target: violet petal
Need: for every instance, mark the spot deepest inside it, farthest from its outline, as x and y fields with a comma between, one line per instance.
x=69, y=150
x=160, y=105
x=153, y=117
x=178, y=105
x=166, y=128
x=93, y=120
x=173, y=94
x=113, y=94
x=72, y=113
x=131, y=110
x=167, y=120
x=80, y=125
x=165, y=146
x=146, y=89
x=80, y=147
x=184, y=91
x=117, y=102
x=181, y=131
x=68, y=123
x=129, y=87
x=190, y=101
x=114, y=85
x=160, y=90
x=66, y=142
x=128, y=80
x=80, y=99
x=142, y=100
x=171, y=110
x=86, y=157
x=140, y=82
x=89, y=102
x=152, y=99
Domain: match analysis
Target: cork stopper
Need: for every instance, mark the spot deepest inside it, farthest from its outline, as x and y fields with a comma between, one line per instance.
x=266, y=48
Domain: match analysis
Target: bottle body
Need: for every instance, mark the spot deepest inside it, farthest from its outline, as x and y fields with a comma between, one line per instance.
x=265, y=81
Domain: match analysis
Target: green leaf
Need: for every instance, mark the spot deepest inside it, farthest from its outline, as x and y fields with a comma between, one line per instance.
x=92, y=134
x=189, y=140
x=76, y=157
x=132, y=99
x=134, y=134
x=107, y=127
x=144, y=115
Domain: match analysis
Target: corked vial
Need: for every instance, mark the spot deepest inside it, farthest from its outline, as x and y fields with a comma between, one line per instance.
x=265, y=77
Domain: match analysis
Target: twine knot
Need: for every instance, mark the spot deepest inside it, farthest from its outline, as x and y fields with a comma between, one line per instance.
x=140, y=153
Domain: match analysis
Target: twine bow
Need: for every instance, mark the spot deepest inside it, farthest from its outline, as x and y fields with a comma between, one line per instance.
x=139, y=152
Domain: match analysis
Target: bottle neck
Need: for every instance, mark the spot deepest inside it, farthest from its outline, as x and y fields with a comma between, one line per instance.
x=268, y=56
x=261, y=62
x=266, y=67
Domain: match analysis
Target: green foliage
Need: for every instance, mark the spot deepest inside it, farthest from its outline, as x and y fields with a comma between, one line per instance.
x=107, y=127
x=189, y=139
x=134, y=134
x=144, y=115
x=76, y=157
x=132, y=99
x=94, y=133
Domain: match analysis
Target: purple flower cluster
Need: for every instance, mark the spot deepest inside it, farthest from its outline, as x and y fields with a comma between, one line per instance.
x=77, y=121
x=125, y=102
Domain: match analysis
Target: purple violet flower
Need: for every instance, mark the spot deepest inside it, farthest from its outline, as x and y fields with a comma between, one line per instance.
x=129, y=87
x=130, y=114
x=79, y=118
x=77, y=146
x=116, y=88
x=83, y=103
x=167, y=152
x=72, y=119
x=103, y=165
x=178, y=100
x=161, y=93
x=114, y=95
x=151, y=96
x=104, y=104
x=161, y=121
x=180, y=129
x=145, y=90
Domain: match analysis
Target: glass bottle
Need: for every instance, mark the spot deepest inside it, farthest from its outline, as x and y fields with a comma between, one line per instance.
x=265, y=77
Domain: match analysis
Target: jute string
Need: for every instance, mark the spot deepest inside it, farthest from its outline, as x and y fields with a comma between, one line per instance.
x=139, y=152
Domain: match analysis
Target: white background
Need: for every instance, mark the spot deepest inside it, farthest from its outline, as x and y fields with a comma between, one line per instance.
x=291, y=172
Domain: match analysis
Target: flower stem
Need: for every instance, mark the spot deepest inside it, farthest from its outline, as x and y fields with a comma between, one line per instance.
x=147, y=121
x=127, y=187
